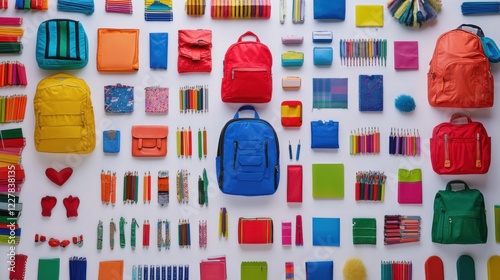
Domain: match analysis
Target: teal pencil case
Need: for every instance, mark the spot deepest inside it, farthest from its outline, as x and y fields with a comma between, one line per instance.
x=323, y=55
x=292, y=59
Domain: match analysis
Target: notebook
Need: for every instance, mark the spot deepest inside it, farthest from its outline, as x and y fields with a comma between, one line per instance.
x=371, y=93
x=213, y=269
x=48, y=269
x=364, y=231
x=326, y=232
x=111, y=270
x=406, y=55
x=330, y=93
x=410, y=186
x=328, y=180
x=156, y=100
x=369, y=15
x=254, y=271
x=319, y=270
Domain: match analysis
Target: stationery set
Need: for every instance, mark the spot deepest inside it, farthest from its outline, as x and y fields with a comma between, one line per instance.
x=11, y=32
x=233, y=9
x=12, y=108
x=370, y=186
x=396, y=270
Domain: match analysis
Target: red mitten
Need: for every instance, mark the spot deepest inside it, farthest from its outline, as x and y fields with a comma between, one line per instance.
x=71, y=203
x=48, y=202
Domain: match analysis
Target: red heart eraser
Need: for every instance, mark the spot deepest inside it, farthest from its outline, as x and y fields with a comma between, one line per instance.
x=59, y=177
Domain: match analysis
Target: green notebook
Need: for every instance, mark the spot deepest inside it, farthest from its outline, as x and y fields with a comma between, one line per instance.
x=364, y=231
x=48, y=269
x=328, y=180
x=497, y=223
x=254, y=271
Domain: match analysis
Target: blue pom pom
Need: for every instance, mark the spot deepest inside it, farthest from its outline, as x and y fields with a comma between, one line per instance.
x=405, y=103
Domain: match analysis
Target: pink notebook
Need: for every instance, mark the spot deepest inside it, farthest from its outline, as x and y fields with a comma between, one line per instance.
x=410, y=193
x=213, y=269
x=286, y=233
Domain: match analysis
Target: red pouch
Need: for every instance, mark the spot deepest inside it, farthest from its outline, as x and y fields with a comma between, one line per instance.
x=195, y=51
x=291, y=113
x=294, y=183
x=255, y=231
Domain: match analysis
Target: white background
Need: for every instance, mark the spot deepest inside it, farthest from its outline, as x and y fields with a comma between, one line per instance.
x=85, y=181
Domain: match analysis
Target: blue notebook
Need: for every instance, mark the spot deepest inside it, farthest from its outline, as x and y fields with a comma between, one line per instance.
x=329, y=10
x=371, y=93
x=319, y=270
x=326, y=231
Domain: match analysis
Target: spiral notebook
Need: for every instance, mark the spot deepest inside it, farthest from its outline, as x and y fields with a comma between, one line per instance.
x=254, y=271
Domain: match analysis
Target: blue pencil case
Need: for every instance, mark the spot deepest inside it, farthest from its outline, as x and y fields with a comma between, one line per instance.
x=292, y=59
x=323, y=55
x=111, y=141
x=324, y=135
x=158, y=49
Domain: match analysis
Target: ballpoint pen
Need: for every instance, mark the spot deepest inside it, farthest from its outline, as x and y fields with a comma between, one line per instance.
x=290, y=150
x=282, y=11
x=112, y=229
x=297, y=154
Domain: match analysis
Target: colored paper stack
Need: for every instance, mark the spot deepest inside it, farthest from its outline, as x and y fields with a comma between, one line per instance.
x=77, y=6
x=401, y=229
x=158, y=10
x=370, y=185
x=42, y=5
x=10, y=36
x=13, y=144
x=11, y=177
x=119, y=6
x=396, y=270
x=233, y=9
x=12, y=108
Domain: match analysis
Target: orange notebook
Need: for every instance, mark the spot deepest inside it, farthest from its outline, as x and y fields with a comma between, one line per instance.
x=111, y=270
x=117, y=50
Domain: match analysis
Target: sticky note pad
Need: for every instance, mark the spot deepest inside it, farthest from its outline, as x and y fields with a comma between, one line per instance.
x=326, y=231
x=328, y=180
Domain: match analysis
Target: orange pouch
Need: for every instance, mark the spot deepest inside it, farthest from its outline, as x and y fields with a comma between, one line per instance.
x=117, y=50
x=149, y=140
x=255, y=231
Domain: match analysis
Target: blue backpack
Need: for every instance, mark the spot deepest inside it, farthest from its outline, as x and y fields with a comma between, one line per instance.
x=247, y=160
x=61, y=44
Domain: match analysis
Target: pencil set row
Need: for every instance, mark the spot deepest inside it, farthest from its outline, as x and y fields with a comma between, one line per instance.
x=401, y=229
x=184, y=139
x=10, y=21
x=223, y=223
x=131, y=187
x=193, y=99
x=370, y=186
x=298, y=11
x=235, y=9
x=10, y=40
x=160, y=242
x=11, y=177
x=396, y=270
x=119, y=6
x=41, y=5
x=182, y=186
x=365, y=141
x=195, y=7
x=404, y=142
x=12, y=108
x=178, y=272
x=108, y=187
x=12, y=73
x=363, y=52
x=184, y=231
x=13, y=143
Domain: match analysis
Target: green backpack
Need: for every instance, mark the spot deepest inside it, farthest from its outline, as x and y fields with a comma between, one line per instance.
x=459, y=216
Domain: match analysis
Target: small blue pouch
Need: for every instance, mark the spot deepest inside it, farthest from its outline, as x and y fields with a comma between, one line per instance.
x=158, y=50
x=111, y=141
x=292, y=59
x=118, y=99
x=324, y=135
x=329, y=10
x=323, y=55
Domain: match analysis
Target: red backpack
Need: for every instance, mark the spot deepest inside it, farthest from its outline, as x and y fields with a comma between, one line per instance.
x=459, y=73
x=460, y=148
x=247, y=72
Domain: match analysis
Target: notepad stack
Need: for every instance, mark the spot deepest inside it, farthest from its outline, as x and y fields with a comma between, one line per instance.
x=401, y=229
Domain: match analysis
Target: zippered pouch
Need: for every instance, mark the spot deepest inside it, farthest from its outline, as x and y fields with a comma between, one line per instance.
x=158, y=50
x=324, y=135
x=292, y=59
x=255, y=231
x=118, y=99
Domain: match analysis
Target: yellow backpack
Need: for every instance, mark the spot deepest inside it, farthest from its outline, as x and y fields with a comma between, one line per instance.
x=64, y=116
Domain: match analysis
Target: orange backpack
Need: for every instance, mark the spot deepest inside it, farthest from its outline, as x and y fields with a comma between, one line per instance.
x=459, y=74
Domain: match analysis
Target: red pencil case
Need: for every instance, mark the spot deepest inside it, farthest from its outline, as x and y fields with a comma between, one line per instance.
x=294, y=183
x=255, y=231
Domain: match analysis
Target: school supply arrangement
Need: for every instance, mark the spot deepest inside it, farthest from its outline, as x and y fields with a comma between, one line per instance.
x=12, y=73
x=203, y=188
x=156, y=99
x=182, y=186
x=404, y=142
x=108, y=187
x=414, y=13
x=363, y=52
x=255, y=231
x=64, y=116
x=149, y=140
x=184, y=137
x=78, y=6
x=400, y=229
x=451, y=139
x=459, y=73
x=118, y=99
x=370, y=186
x=322, y=56
x=233, y=9
x=247, y=76
x=193, y=99
x=184, y=233
x=194, y=51
x=298, y=11
x=12, y=108
x=61, y=44
x=396, y=270
x=195, y=7
x=158, y=50
x=459, y=216
x=247, y=161
x=119, y=6
x=365, y=141
x=371, y=93
x=163, y=187
x=117, y=50
x=158, y=10
x=77, y=268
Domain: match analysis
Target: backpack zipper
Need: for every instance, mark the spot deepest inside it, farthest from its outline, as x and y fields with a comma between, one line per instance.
x=235, y=152
x=447, y=162
x=451, y=225
x=246, y=69
x=266, y=154
x=478, y=152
